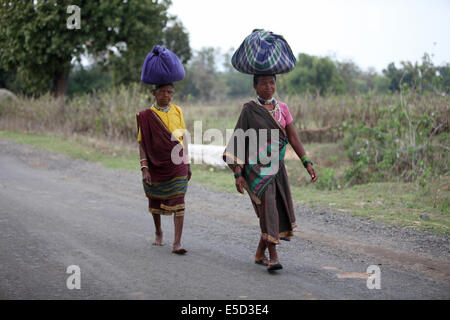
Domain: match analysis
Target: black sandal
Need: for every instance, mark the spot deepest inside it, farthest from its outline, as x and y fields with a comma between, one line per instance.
x=273, y=267
x=179, y=251
x=263, y=261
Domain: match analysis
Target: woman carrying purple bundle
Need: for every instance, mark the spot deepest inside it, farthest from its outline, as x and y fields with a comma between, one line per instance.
x=163, y=146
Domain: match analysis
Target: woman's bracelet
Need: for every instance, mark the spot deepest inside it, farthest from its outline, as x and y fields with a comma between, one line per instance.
x=144, y=163
x=305, y=160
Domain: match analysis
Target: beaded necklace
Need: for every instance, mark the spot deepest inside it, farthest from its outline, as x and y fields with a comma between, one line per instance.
x=161, y=109
x=166, y=109
x=272, y=101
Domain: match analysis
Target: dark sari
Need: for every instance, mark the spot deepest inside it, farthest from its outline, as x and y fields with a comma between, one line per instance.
x=169, y=180
x=261, y=157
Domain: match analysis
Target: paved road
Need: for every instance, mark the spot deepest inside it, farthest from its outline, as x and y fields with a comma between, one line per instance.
x=56, y=212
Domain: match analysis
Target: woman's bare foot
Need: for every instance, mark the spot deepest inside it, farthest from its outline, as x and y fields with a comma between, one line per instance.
x=158, y=239
x=178, y=223
x=158, y=231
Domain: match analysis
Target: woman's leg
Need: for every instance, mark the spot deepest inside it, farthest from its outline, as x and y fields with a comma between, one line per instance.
x=273, y=254
x=261, y=250
x=274, y=264
x=158, y=230
x=178, y=222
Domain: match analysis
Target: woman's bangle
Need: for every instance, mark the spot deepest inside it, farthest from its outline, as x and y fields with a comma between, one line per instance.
x=143, y=160
x=305, y=160
x=142, y=167
x=237, y=174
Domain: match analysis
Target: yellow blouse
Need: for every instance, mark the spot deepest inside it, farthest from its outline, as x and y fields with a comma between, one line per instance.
x=173, y=119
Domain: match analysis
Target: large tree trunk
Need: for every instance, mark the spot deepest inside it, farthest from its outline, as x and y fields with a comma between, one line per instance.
x=60, y=80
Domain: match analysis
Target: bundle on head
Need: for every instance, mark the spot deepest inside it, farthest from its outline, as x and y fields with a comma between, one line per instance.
x=264, y=52
x=162, y=67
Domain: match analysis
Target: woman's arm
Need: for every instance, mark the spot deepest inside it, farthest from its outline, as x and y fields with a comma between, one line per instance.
x=297, y=145
x=239, y=180
x=143, y=157
x=144, y=166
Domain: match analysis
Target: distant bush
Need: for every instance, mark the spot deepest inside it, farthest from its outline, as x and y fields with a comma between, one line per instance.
x=402, y=142
x=110, y=113
x=328, y=179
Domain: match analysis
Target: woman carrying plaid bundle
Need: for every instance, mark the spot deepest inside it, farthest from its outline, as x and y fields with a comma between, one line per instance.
x=255, y=152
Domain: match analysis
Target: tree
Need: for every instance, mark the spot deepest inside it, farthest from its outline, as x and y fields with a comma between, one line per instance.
x=139, y=25
x=421, y=77
x=85, y=80
x=380, y=83
x=176, y=39
x=8, y=80
x=350, y=73
x=443, y=74
x=36, y=42
x=394, y=75
x=203, y=75
x=314, y=74
x=238, y=84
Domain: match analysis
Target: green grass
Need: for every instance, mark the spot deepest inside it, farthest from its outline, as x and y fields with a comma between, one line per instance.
x=79, y=147
x=218, y=179
x=399, y=204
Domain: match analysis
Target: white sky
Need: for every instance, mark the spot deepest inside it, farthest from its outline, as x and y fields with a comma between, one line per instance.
x=372, y=33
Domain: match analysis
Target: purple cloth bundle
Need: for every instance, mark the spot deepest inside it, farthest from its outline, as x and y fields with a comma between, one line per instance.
x=161, y=66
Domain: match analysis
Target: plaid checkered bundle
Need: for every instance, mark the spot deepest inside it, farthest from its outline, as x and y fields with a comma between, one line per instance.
x=264, y=52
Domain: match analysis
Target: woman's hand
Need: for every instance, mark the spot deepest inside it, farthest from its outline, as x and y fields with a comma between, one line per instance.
x=240, y=181
x=146, y=176
x=311, y=172
x=189, y=173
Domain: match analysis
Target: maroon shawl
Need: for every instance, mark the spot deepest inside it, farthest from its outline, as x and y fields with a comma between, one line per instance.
x=158, y=143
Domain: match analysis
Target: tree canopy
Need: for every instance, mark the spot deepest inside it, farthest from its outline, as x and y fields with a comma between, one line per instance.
x=313, y=74
x=420, y=77
x=36, y=43
x=38, y=53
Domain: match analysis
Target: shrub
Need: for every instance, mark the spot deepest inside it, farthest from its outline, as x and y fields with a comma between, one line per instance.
x=402, y=143
x=327, y=180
